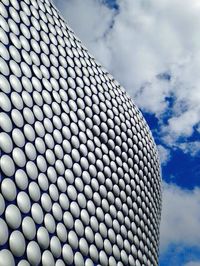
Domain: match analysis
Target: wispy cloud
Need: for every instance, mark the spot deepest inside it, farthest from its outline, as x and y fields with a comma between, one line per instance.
x=164, y=154
x=180, y=217
x=191, y=147
x=193, y=263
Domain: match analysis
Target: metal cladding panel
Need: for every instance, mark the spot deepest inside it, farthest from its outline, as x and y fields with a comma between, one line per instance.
x=79, y=171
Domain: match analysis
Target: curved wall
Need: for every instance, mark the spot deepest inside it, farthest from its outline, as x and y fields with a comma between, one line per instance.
x=79, y=171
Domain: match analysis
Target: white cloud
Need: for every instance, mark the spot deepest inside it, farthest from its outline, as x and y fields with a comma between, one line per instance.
x=164, y=154
x=193, y=263
x=90, y=18
x=137, y=43
x=91, y=21
x=180, y=221
x=192, y=147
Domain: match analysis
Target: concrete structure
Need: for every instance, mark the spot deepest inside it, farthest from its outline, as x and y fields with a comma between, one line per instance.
x=79, y=171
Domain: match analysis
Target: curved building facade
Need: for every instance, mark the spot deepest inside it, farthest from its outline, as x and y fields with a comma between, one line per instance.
x=79, y=171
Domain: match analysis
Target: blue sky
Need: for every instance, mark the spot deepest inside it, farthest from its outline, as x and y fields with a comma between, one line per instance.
x=153, y=49
x=182, y=169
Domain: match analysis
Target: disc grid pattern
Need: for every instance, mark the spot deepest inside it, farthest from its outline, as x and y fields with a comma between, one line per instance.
x=79, y=171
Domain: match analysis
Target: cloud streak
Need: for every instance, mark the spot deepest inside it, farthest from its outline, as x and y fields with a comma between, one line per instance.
x=180, y=217
x=193, y=263
x=164, y=154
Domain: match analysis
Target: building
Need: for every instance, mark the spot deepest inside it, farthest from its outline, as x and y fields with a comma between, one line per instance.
x=79, y=171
